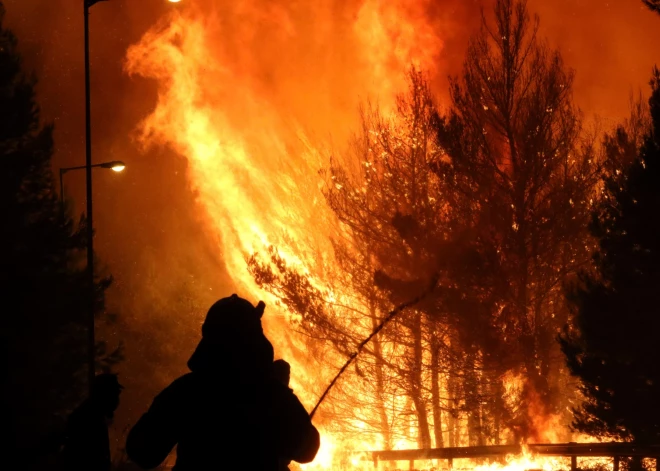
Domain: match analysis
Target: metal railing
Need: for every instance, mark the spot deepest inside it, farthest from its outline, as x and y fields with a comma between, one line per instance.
x=616, y=451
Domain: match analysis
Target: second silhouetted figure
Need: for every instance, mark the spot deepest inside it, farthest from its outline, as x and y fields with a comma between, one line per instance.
x=228, y=411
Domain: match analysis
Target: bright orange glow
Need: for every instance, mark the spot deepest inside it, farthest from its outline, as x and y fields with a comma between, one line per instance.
x=244, y=122
x=256, y=99
x=525, y=462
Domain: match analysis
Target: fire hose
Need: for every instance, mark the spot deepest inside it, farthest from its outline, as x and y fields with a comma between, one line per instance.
x=384, y=322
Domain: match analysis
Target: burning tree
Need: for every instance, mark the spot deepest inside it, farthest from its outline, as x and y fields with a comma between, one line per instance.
x=514, y=168
x=385, y=175
x=611, y=344
x=492, y=200
x=433, y=364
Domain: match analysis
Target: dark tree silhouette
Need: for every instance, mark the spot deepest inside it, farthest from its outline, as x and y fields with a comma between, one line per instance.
x=654, y=5
x=611, y=345
x=44, y=289
x=516, y=171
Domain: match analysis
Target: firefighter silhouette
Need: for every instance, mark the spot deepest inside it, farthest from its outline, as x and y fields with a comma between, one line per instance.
x=229, y=411
x=282, y=373
x=86, y=444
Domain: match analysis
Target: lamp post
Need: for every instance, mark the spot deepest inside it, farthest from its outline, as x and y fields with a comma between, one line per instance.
x=91, y=343
x=115, y=165
x=88, y=179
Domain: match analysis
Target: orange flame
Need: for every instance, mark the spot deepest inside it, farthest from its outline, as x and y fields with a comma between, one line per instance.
x=241, y=88
x=254, y=97
x=525, y=462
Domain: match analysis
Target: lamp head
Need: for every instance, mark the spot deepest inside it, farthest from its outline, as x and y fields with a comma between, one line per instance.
x=116, y=165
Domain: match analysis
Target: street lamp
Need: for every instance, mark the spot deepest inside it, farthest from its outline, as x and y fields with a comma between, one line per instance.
x=91, y=343
x=88, y=179
x=115, y=165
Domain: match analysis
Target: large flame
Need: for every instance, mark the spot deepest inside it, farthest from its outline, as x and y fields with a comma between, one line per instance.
x=254, y=96
x=241, y=88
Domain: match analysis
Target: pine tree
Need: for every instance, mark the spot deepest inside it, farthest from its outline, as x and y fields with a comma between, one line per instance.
x=612, y=343
x=654, y=5
x=44, y=289
x=384, y=173
x=514, y=170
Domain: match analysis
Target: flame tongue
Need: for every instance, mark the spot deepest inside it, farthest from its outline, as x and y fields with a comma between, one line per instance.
x=251, y=94
x=239, y=104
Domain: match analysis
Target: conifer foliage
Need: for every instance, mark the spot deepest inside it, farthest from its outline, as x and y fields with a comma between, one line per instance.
x=44, y=288
x=612, y=343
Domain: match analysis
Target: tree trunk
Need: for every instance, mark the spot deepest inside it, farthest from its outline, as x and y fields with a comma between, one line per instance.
x=527, y=337
x=435, y=392
x=472, y=402
x=538, y=367
x=380, y=387
x=498, y=409
x=453, y=409
x=416, y=385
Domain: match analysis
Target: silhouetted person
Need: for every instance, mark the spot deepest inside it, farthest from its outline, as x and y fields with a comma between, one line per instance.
x=282, y=373
x=86, y=443
x=228, y=412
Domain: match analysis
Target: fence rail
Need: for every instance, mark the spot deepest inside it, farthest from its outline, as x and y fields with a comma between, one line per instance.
x=616, y=451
